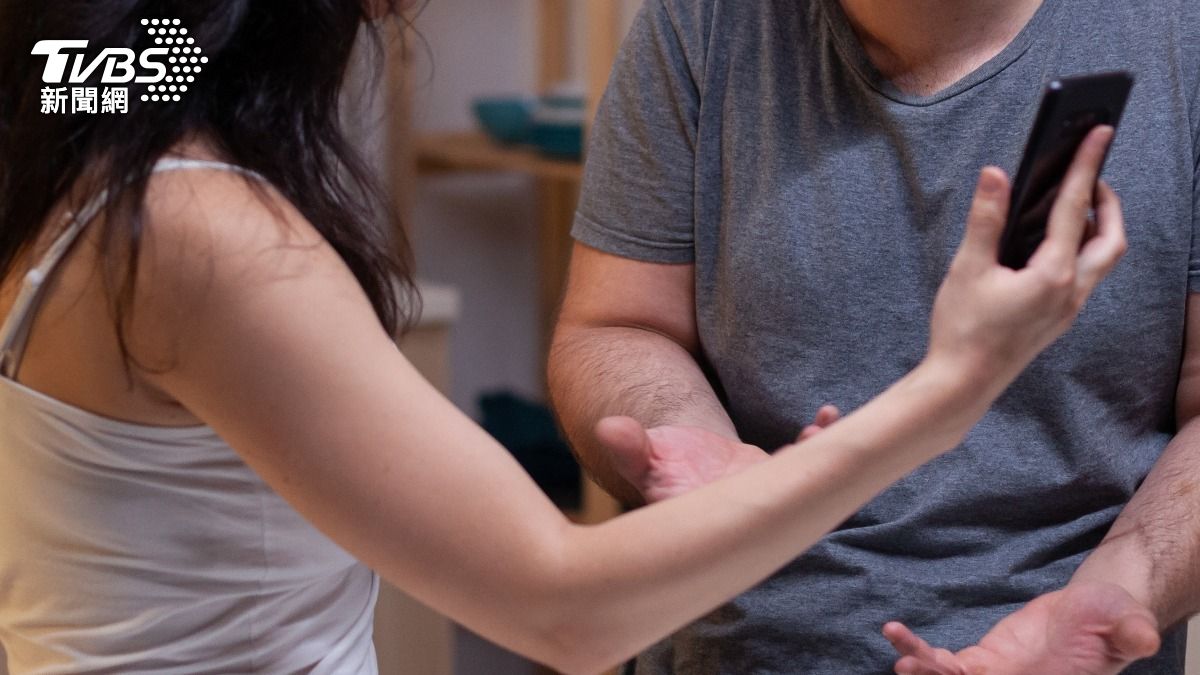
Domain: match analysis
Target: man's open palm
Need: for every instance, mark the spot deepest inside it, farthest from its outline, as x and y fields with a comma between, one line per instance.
x=667, y=461
x=1087, y=628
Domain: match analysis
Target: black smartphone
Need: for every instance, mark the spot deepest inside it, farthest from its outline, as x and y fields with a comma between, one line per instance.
x=1070, y=108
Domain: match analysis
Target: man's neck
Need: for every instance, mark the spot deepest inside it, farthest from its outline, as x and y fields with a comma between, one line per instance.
x=923, y=46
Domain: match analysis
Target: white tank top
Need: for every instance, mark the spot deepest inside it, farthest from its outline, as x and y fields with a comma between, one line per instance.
x=127, y=548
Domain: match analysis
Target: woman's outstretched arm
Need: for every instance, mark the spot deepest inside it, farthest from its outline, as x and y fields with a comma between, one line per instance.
x=264, y=334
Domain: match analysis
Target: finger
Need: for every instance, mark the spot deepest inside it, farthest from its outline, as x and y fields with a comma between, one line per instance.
x=907, y=665
x=904, y=640
x=985, y=221
x=810, y=431
x=827, y=415
x=917, y=656
x=1102, y=252
x=1069, y=215
x=628, y=444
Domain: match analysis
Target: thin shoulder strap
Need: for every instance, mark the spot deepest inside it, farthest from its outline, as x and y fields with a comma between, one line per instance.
x=14, y=332
x=183, y=164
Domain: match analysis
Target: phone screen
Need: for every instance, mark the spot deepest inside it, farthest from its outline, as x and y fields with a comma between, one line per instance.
x=1070, y=109
x=1045, y=179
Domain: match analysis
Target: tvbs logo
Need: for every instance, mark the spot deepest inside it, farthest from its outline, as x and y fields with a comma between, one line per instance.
x=118, y=63
x=166, y=68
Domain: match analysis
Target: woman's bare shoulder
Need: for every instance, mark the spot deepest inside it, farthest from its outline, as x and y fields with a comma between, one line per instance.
x=223, y=204
x=213, y=238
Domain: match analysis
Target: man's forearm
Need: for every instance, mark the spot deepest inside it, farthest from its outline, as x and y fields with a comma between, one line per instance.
x=598, y=372
x=1153, y=549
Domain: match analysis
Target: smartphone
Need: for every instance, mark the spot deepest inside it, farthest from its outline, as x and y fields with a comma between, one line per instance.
x=1070, y=108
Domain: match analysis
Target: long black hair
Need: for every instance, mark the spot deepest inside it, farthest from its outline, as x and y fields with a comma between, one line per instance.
x=267, y=95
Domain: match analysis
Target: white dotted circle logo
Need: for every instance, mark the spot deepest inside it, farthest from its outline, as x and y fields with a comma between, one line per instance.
x=184, y=62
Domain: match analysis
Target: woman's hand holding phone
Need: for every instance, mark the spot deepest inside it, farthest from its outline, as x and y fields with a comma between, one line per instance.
x=991, y=320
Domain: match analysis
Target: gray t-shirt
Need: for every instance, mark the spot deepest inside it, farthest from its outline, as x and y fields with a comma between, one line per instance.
x=821, y=208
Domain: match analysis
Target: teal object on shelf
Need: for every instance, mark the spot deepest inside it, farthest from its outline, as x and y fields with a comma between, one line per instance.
x=505, y=119
x=558, y=140
x=557, y=128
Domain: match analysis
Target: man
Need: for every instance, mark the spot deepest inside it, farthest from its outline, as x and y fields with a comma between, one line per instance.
x=774, y=190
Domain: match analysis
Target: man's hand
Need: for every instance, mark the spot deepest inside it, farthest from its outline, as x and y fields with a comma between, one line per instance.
x=667, y=461
x=1087, y=628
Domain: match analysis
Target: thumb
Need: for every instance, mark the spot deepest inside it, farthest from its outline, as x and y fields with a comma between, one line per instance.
x=1136, y=637
x=628, y=445
x=985, y=222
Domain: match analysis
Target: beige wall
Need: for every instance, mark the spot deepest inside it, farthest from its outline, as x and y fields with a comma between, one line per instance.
x=1193, y=658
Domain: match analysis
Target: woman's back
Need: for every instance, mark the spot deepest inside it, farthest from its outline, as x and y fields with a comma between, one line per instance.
x=131, y=547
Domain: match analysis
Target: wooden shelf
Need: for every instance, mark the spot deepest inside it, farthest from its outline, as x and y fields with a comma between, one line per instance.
x=473, y=151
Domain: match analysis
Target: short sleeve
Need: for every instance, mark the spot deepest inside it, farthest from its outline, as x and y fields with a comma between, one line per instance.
x=1194, y=259
x=1191, y=48
x=638, y=194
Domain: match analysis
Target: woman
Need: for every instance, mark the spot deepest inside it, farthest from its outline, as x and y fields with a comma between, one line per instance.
x=199, y=386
